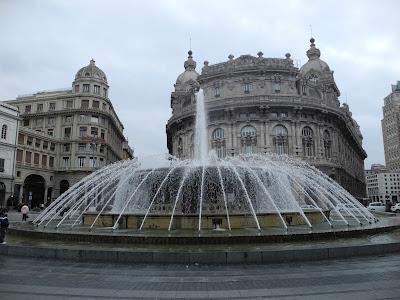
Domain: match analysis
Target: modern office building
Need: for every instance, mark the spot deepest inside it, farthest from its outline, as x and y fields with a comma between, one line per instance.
x=391, y=128
x=382, y=185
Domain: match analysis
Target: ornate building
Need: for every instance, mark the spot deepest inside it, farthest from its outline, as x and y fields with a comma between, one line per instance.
x=66, y=134
x=8, y=139
x=391, y=128
x=258, y=104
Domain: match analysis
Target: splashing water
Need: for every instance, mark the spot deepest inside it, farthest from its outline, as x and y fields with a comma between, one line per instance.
x=246, y=185
x=201, y=141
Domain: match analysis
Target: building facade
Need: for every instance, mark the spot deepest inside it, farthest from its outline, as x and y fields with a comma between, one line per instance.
x=9, y=120
x=391, y=128
x=260, y=105
x=382, y=185
x=64, y=135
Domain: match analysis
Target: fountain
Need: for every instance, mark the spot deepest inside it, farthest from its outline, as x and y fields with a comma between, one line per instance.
x=207, y=193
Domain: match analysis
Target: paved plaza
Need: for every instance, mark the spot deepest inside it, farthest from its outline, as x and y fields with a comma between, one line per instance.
x=376, y=277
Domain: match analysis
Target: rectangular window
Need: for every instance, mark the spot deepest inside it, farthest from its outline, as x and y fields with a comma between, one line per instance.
x=39, y=107
x=39, y=122
x=29, y=141
x=67, y=132
x=277, y=87
x=246, y=88
x=94, y=119
x=45, y=145
x=76, y=88
x=104, y=106
x=81, y=147
x=82, y=131
x=68, y=119
x=86, y=88
x=81, y=161
x=28, y=157
x=51, y=161
x=51, y=121
x=93, y=162
x=83, y=118
x=85, y=104
x=95, y=104
x=50, y=132
x=216, y=92
x=67, y=147
x=38, y=143
x=26, y=122
x=19, y=155
x=94, y=132
x=101, y=148
x=65, y=162
x=52, y=106
x=44, y=160
x=27, y=108
x=105, y=92
x=102, y=134
x=36, y=159
x=96, y=89
x=69, y=104
x=21, y=139
x=1, y=165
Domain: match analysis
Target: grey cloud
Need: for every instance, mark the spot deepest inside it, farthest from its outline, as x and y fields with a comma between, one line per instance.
x=141, y=45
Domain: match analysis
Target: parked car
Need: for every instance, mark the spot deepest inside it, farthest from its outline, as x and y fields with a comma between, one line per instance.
x=395, y=208
x=376, y=206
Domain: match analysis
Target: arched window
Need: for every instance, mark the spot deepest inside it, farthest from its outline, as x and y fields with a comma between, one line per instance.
x=248, y=139
x=308, y=141
x=327, y=144
x=248, y=131
x=313, y=78
x=180, y=148
x=218, y=134
x=218, y=142
x=4, y=131
x=280, y=139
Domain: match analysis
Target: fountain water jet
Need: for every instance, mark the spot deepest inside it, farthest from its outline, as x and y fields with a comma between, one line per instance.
x=257, y=190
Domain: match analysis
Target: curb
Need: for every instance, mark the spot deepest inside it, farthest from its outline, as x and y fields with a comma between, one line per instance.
x=223, y=257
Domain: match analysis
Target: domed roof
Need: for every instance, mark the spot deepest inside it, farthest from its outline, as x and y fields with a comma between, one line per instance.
x=190, y=73
x=91, y=70
x=314, y=62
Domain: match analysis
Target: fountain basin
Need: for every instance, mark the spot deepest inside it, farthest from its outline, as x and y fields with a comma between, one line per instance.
x=208, y=221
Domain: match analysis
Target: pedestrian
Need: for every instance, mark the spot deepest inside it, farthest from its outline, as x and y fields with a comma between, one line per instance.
x=3, y=226
x=24, y=212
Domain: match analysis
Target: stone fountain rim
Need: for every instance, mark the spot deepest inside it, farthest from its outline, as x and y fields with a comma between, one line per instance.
x=31, y=231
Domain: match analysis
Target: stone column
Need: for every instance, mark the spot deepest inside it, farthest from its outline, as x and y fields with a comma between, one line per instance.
x=21, y=192
x=234, y=137
x=299, y=145
x=45, y=193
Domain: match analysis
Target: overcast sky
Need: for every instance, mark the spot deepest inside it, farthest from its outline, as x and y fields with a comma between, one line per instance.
x=142, y=45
